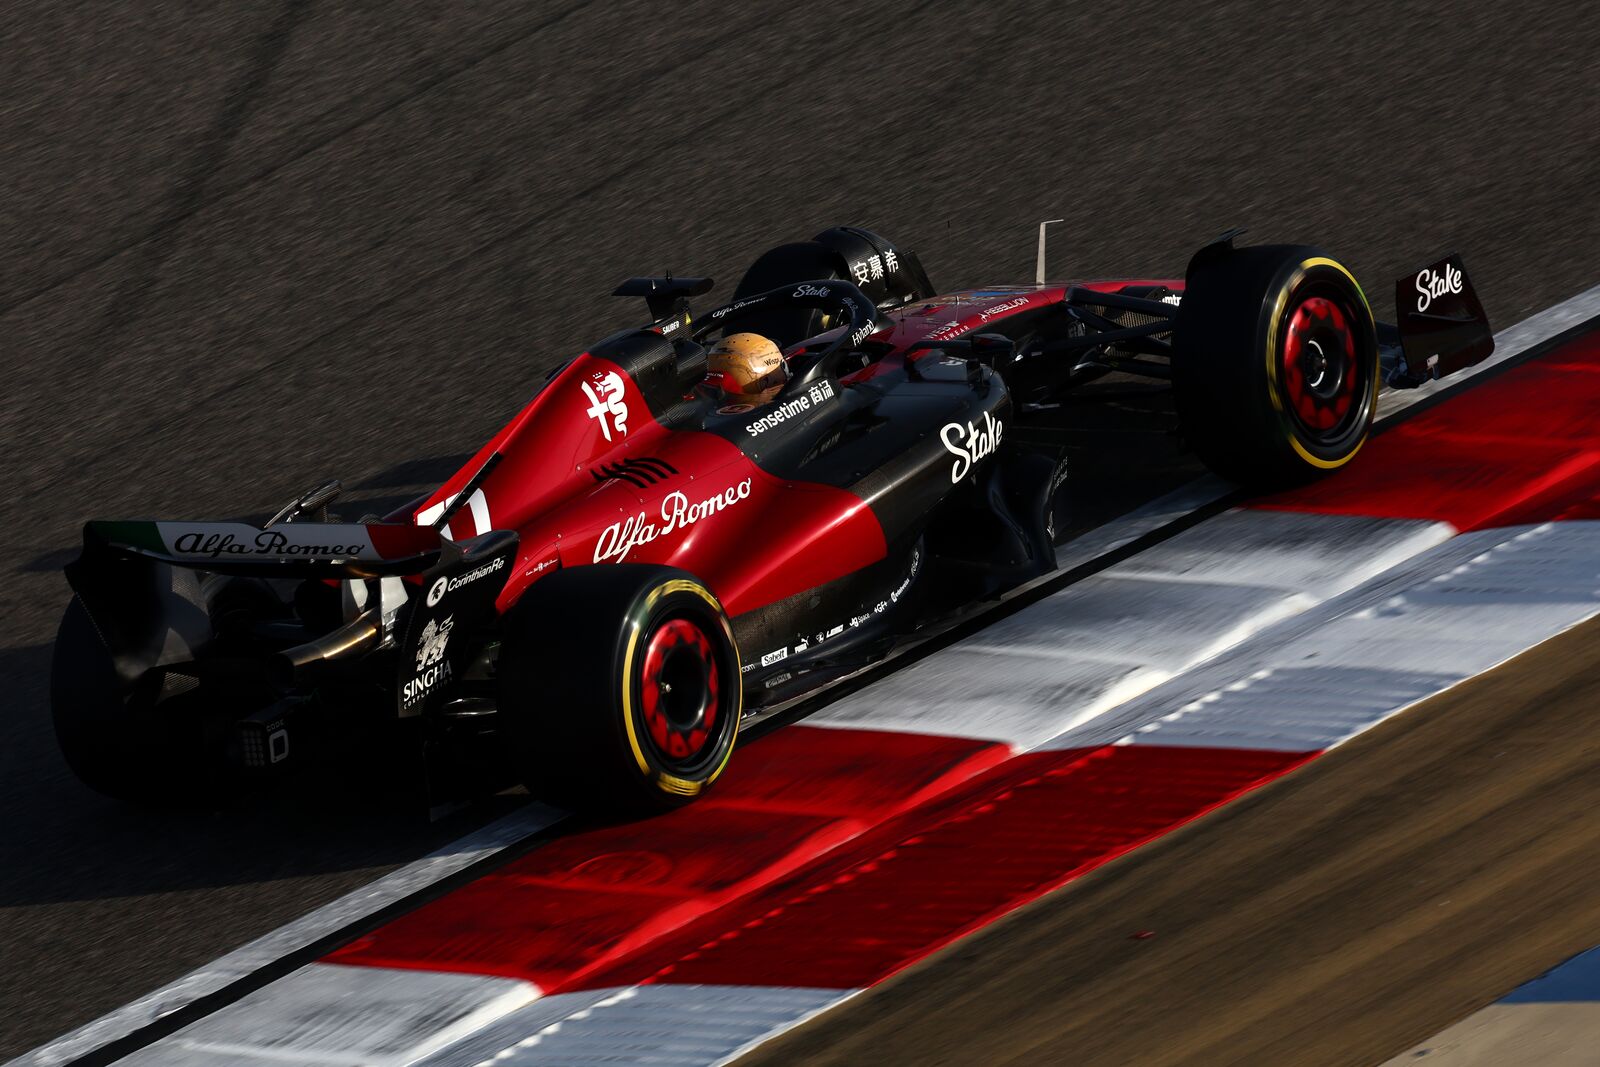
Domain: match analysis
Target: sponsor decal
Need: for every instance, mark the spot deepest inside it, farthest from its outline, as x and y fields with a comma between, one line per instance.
x=946, y=331
x=780, y=413
x=778, y=679
x=435, y=636
x=426, y=682
x=970, y=443
x=1058, y=477
x=811, y=290
x=669, y=327
x=736, y=409
x=911, y=572
x=677, y=513
x=1001, y=309
x=817, y=394
x=747, y=668
x=450, y=585
x=1174, y=299
x=307, y=542
x=1431, y=285
x=731, y=308
x=606, y=406
x=866, y=616
x=866, y=330
x=774, y=657
x=274, y=542
x=433, y=670
x=801, y=646
x=873, y=267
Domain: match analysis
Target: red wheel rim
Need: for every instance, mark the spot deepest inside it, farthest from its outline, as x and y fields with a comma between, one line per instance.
x=1319, y=365
x=681, y=690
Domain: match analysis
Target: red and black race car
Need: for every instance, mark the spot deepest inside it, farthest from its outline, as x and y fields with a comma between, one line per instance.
x=633, y=564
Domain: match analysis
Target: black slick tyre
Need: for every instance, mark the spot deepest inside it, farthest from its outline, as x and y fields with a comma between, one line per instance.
x=145, y=742
x=619, y=688
x=1275, y=364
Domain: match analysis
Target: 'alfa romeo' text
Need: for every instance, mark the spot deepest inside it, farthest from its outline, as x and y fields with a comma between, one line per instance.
x=621, y=538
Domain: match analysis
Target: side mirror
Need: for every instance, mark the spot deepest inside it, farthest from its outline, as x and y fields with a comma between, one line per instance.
x=992, y=349
x=978, y=349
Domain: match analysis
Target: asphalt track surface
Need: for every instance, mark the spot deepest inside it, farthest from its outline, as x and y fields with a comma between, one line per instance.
x=244, y=247
x=1339, y=915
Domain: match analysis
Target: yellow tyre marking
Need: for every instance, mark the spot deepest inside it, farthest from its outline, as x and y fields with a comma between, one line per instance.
x=670, y=783
x=1272, y=348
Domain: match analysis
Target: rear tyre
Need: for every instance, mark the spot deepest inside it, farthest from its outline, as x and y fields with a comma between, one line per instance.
x=144, y=742
x=620, y=688
x=1275, y=364
x=790, y=264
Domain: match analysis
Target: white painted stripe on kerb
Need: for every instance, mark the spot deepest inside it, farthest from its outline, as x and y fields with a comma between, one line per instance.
x=1083, y=651
x=294, y=936
x=317, y=924
x=1450, y=614
x=326, y=1014
x=661, y=1025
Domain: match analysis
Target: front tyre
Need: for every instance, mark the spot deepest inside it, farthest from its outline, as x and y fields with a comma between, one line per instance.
x=1275, y=364
x=620, y=688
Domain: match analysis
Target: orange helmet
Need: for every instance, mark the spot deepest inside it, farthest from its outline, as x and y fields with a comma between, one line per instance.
x=748, y=367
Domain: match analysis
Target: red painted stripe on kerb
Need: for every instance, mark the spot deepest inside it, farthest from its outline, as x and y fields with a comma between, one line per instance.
x=590, y=898
x=933, y=876
x=730, y=890
x=1521, y=449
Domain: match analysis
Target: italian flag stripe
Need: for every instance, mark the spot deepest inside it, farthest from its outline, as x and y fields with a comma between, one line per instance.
x=140, y=536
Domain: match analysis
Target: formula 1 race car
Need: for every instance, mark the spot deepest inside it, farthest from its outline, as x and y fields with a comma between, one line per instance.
x=633, y=565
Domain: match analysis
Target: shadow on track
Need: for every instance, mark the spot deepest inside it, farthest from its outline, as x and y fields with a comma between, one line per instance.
x=360, y=815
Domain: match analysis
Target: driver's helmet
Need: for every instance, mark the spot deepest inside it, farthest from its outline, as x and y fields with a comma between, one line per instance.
x=747, y=367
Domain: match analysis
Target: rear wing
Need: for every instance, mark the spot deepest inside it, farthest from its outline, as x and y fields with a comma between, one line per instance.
x=144, y=586
x=1442, y=325
x=288, y=550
